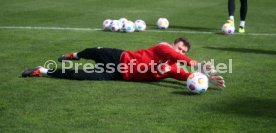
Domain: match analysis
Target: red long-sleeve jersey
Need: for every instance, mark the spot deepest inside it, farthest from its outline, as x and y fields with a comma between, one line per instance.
x=153, y=64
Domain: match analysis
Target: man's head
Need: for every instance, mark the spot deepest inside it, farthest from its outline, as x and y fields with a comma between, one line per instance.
x=181, y=45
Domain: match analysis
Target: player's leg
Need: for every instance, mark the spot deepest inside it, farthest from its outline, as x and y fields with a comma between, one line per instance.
x=243, y=12
x=72, y=74
x=100, y=55
x=87, y=53
x=231, y=9
x=83, y=75
x=70, y=56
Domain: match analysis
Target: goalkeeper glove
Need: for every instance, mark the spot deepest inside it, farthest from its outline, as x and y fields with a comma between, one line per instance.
x=205, y=67
x=217, y=81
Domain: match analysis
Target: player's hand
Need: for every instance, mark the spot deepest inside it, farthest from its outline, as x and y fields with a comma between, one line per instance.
x=217, y=81
x=205, y=67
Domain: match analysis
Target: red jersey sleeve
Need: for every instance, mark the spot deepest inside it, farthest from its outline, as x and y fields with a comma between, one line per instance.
x=178, y=73
x=167, y=52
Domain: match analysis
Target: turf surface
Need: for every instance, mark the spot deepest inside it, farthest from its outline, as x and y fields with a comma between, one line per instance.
x=248, y=104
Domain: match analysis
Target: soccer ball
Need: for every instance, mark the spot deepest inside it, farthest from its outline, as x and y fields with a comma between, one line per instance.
x=115, y=25
x=123, y=20
x=162, y=23
x=228, y=28
x=107, y=24
x=140, y=25
x=197, y=83
x=128, y=27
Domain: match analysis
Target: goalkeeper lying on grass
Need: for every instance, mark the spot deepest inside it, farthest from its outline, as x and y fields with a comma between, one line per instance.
x=153, y=64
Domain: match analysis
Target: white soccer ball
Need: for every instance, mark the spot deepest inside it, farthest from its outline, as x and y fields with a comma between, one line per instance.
x=107, y=24
x=123, y=20
x=228, y=28
x=197, y=83
x=162, y=23
x=128, y=27
x=115, y=25
x=140, y=25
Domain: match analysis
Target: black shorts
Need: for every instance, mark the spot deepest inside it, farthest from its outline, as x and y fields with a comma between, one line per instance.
x=101, y=56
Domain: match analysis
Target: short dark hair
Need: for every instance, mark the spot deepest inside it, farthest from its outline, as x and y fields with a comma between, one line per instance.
x=184, y=40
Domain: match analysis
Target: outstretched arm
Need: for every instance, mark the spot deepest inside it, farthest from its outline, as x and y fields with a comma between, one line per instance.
x=209, y=70
x=178, y=73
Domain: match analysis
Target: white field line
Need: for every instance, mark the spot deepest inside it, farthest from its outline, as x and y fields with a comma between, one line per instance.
x=95, y=29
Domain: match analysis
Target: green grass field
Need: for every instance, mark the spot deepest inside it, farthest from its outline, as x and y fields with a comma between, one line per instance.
x=247, y=104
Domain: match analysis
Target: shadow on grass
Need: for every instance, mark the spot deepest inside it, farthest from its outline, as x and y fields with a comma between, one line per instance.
x=190, y=28
x=184, y=92
x=193, y=28
x=168, y=84
x=246, y=106
x=180, y=87
x=244, y=50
